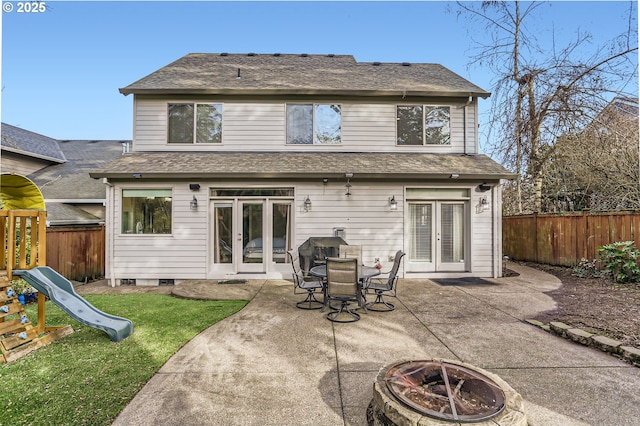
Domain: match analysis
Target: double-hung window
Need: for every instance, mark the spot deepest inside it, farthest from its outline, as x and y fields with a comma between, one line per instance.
x=146, y=211
x=423, y=125
x=195, y=123
x=314, y=124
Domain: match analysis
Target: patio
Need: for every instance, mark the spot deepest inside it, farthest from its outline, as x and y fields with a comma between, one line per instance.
x=274, y=364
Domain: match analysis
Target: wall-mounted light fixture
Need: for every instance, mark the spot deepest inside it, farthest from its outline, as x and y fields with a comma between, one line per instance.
x=325, y=181
x=484, y=203
x=194, y=186
x=137, y=175
x=454, y=176
x=483, y=187
x=193, y=204
x=393, y=204
x=348, y=184
x=307, y=204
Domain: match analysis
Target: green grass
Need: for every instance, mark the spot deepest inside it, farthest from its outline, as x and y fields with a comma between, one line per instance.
x=85, y=378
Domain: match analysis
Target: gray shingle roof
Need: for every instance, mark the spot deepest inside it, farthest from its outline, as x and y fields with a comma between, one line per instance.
x=299, y=165
x=271, y=74
x=24, y=142
x=65, y=214
x=71, y=180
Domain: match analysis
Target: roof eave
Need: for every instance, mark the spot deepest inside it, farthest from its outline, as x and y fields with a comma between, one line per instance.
x=305, y=176
x=324, y=92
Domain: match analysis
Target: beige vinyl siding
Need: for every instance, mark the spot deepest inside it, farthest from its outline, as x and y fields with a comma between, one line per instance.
x=261, y=126
x=365, y=215
x=179, y=255
x=20, y=164
x=482, y=236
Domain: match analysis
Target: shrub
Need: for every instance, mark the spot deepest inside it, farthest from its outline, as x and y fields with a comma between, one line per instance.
x=620, y=259
x=20, y=286
x=586, y=269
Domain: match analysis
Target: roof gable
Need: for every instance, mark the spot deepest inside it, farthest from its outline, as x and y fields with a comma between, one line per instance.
x=287, y=74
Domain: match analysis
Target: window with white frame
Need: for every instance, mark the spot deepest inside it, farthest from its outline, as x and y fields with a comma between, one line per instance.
x=146, y=211
x=195, y=123
x=314, y=124
x=423, y=125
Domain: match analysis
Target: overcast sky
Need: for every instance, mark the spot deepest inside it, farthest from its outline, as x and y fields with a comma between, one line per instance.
x=62, y=68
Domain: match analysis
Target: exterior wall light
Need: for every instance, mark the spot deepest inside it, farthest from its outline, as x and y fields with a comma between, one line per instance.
x=193, y=204
x=307, y=205
x=393, y=204
x=485, y=204
x=454, y=176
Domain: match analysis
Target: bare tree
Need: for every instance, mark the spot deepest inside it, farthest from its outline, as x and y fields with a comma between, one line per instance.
x=540, y=95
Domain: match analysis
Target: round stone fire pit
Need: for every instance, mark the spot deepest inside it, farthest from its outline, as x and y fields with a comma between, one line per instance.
x=437, y=392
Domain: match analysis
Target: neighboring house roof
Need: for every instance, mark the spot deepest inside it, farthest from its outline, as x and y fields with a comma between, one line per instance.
x=20, y=141
x=287, y=74
x=387, y=166
x=71, y=180
x=65, y=214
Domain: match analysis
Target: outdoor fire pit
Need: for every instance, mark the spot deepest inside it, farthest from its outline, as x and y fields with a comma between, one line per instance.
x=437, y=392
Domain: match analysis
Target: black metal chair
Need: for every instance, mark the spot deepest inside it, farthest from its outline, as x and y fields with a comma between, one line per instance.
x=343, y=286
x=308, y=285
x=385, y=286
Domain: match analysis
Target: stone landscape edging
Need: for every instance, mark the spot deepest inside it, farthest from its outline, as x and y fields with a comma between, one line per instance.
x=603, y=343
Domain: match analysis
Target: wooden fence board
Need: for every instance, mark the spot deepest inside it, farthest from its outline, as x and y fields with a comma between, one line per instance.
x=566, y=239
x=77, y=253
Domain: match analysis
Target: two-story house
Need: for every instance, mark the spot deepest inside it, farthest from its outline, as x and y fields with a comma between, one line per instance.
x=237, y=158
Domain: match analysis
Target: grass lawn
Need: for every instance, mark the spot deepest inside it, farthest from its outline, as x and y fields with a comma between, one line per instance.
x=85, y=378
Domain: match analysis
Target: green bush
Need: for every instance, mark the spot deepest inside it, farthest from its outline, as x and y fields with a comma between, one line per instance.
x=586, y=269
x=620, y=259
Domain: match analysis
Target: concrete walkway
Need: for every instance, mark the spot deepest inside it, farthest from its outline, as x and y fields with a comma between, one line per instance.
x=274, y=364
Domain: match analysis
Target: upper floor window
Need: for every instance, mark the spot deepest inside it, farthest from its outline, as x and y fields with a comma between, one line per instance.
x=423, y=125
x=195, y=123
x=314, y=124
x=146, y=211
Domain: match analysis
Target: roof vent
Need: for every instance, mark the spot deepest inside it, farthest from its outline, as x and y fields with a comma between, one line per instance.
x=224, y=54
x=406, y=64
x=376, y=64
x=331, y=55
x=251, y=54
x=276, y=54
x=303, y=55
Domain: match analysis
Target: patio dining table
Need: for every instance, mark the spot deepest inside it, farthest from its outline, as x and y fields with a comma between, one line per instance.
x=365, y=272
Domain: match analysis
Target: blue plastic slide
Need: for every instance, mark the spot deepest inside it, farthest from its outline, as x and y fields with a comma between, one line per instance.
x=61, y=292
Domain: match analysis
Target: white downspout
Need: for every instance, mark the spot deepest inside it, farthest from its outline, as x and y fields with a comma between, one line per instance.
x=464, y=121
x=109, y=250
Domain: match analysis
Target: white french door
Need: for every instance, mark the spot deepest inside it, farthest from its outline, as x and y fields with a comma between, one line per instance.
x=249, y=235
x=436, y=236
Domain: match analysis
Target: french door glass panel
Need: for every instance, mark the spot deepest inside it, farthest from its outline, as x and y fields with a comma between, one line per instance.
x=223, y=223
x=252, y=232
x=421, y=232
x=452, y=233
x=281, y=232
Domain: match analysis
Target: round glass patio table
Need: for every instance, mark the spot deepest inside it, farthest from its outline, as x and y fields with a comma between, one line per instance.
x=365, y=271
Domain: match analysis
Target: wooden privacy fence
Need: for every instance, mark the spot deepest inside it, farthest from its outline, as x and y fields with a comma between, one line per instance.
x=565, y=239
x=77, y=253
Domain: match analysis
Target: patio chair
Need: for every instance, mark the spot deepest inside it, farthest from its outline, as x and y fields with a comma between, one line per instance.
x=384, y=286
x=343, y=286
x=308, y=285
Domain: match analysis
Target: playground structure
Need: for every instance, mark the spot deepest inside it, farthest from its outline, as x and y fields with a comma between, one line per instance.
x=23, y=255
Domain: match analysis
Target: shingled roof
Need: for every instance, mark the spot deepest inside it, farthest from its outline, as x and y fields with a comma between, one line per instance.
x=299, y=165
x=20, y=141
x=287, y=74
x=71, y=180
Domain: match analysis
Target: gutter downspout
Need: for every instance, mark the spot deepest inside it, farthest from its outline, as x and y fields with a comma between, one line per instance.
x=464, y=121
x=108, y=232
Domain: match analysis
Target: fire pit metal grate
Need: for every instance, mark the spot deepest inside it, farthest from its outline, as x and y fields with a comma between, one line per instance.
x=445, y=391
